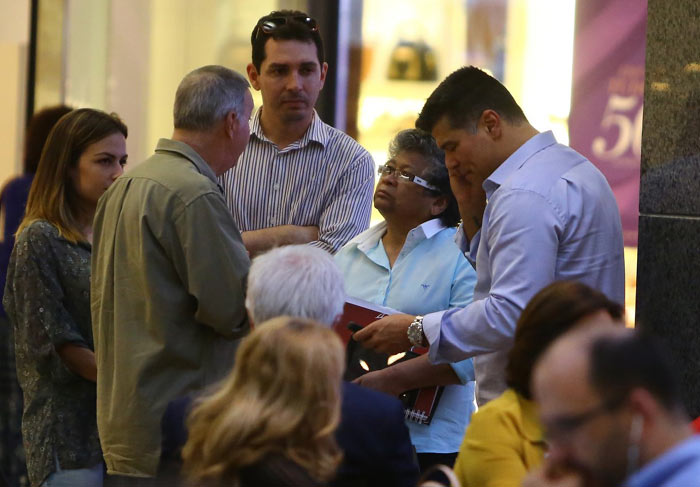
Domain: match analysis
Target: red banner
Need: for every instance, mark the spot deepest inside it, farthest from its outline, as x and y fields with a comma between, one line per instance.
x=605, y=123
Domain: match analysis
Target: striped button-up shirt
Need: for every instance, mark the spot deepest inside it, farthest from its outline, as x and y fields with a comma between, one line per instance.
x=324, y=179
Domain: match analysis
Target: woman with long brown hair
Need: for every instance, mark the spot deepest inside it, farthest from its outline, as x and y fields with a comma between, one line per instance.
x=273, y=420
x=47, y=298
x=13, y=200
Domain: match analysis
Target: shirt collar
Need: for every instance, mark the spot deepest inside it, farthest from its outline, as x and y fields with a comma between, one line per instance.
x=516, y=160
x=431, y=227
x=672, y=461
x=316, y=131
x=369, y=239
x=169, y=145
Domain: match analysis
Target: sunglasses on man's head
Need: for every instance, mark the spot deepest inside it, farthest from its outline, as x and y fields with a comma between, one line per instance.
x=269, y=25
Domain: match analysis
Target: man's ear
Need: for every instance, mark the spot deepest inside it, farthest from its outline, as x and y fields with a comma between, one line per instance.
x=642, y=402
x=251, y=322
x=439, y=205
x=491, y=122
x=231, y=124
x=250, y=315
x=324, y=71
x=253, y=76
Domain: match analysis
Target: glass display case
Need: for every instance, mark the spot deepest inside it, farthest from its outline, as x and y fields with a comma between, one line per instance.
x=403, y=49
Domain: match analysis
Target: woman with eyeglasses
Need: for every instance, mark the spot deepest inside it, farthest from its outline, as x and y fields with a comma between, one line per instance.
x=47, y=298
x=409, y=262
x=505, y=439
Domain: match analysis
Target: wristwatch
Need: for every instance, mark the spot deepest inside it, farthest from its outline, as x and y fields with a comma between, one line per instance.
x=415, y=333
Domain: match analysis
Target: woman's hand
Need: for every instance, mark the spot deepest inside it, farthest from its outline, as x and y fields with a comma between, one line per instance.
x=79, y=360
x=381, y=380
x=408, y=375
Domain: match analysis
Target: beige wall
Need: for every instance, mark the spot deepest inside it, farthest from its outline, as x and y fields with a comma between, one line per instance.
x=14, y=45
x=185, y=35
x=132, y=62
x=125, y=56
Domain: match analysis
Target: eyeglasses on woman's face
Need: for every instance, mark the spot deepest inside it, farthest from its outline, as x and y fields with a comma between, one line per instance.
x=387, y=170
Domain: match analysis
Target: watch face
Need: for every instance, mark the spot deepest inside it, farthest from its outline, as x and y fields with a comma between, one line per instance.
x=415, y=333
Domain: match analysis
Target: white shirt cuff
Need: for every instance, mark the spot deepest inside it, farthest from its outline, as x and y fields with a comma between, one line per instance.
x=431, y=330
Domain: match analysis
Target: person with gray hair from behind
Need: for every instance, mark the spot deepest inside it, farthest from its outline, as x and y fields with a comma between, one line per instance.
x=298, y=281
x=168, y=274
x=304, y=282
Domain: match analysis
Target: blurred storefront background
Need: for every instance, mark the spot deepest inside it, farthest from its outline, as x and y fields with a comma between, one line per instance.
x=385, y=57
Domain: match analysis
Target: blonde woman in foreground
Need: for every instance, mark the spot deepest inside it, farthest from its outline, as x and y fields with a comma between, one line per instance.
x=272, y=421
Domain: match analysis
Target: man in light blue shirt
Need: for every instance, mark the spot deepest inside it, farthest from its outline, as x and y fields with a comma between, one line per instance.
x=551, y=215
x=610, y=404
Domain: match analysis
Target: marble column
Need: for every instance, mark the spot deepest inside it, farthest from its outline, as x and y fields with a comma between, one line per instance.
x=668, y=271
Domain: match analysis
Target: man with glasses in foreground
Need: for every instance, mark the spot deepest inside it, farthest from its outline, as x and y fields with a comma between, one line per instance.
x=610, y=405
x=299, y=179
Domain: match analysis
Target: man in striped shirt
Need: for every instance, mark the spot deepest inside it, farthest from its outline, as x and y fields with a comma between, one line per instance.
x=299, y=179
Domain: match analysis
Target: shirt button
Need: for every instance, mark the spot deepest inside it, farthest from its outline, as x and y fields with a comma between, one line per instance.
x=276, y=187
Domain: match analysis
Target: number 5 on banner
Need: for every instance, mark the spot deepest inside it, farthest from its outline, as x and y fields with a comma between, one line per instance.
x=629, y=131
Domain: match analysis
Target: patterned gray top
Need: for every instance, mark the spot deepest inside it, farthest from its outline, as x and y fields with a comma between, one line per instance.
x=47, y=298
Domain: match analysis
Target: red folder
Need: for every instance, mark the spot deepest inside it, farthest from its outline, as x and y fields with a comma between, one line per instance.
x=419, y=404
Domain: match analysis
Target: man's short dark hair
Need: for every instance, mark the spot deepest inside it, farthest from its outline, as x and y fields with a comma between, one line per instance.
x=463, y=96
x=551, y=312
x=423, y=144
x=619, y=364
x=290, y=30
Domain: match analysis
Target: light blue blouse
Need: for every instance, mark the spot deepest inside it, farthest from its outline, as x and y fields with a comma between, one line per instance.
x=430, y=274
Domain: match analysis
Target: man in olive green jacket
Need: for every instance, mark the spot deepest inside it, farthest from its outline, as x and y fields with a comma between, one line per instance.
x=168, y=273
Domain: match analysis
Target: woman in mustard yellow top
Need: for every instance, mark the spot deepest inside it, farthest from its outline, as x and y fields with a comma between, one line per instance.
x=504, y=439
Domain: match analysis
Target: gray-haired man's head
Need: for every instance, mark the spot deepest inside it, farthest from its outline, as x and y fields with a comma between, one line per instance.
x=206, y=95
x=296, y=280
